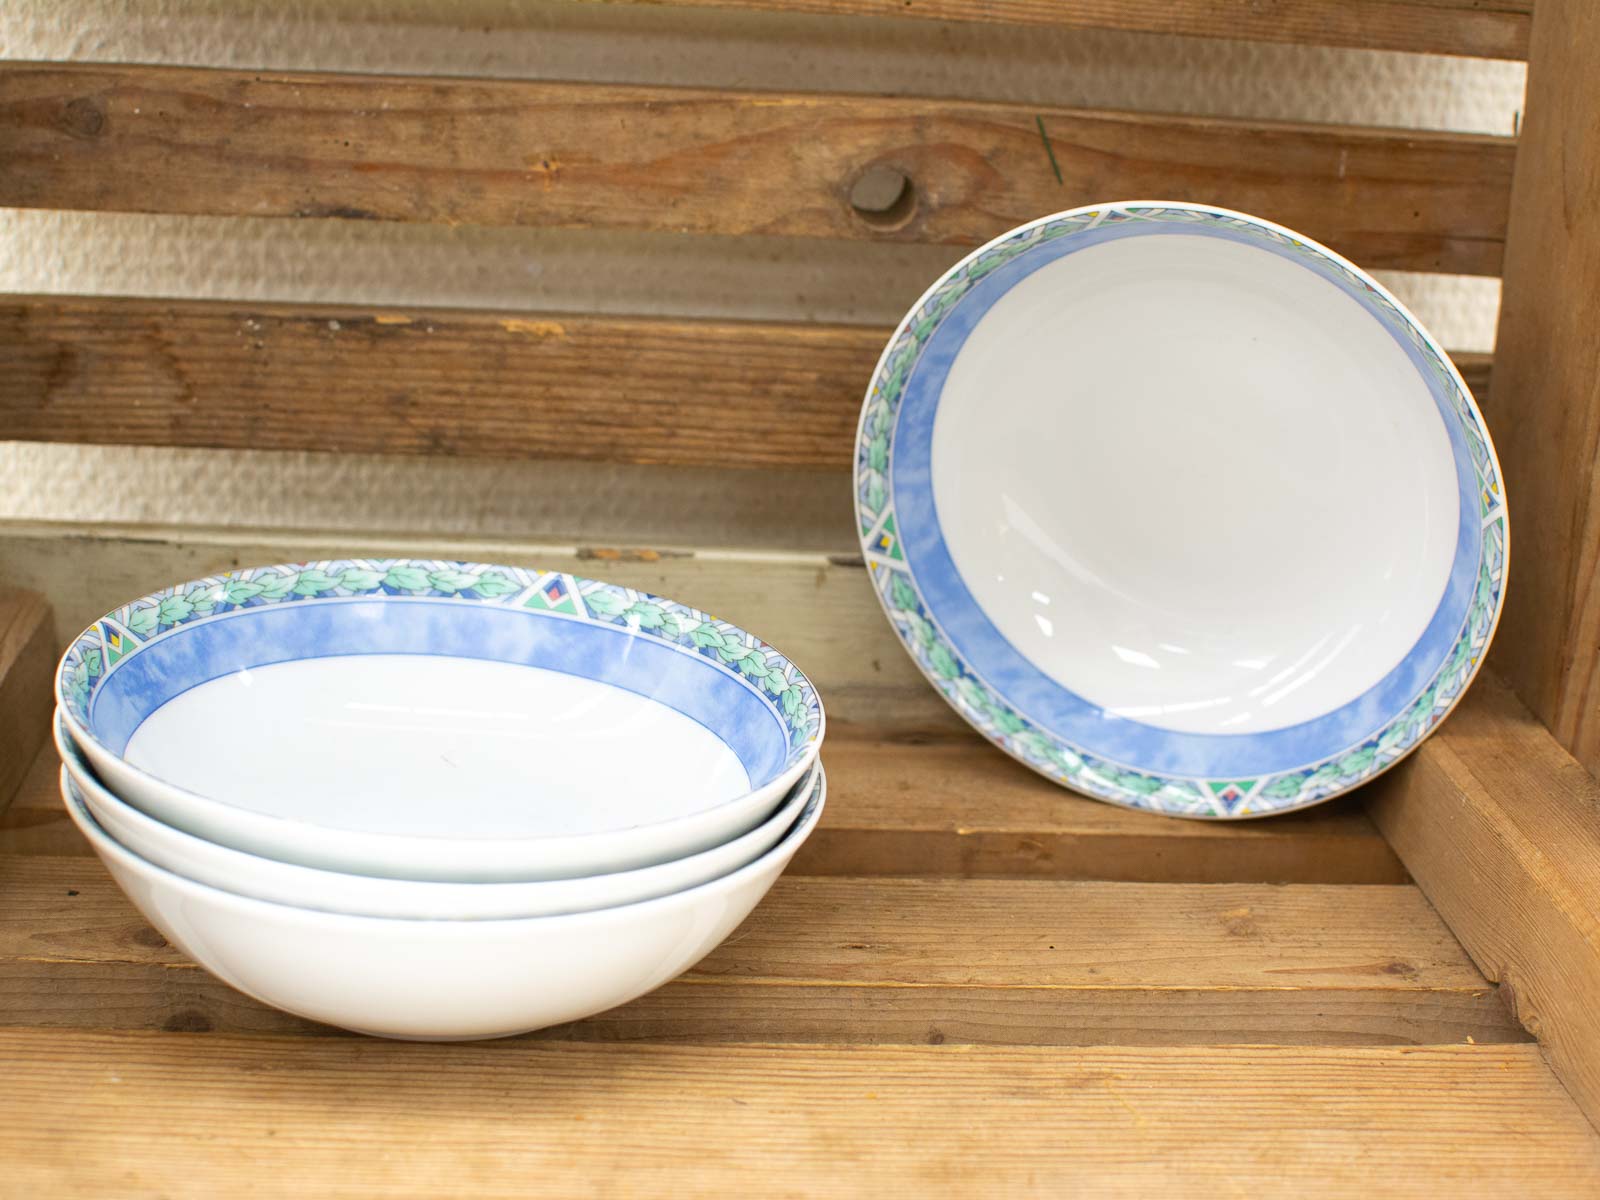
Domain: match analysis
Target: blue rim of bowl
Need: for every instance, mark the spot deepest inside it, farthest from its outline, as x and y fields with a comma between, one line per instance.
x=118, y=637
x=1045, y=725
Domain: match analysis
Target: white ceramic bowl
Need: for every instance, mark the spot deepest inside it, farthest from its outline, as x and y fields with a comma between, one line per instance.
x=442, y=980
x=370, y=896
x=1181, y=509
x=435, y=720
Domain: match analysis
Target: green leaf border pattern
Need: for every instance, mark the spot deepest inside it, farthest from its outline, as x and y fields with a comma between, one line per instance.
x=120, y=633
x=737, y=650
x=1054, y=756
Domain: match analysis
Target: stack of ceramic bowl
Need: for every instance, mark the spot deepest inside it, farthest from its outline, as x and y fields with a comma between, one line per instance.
x=435, y=799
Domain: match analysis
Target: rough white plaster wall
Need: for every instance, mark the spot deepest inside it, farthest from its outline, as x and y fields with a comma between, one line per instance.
x=374, y=263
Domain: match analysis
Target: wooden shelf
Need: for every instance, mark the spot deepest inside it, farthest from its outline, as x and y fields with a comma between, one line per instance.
x=885, y=820
x=342, y=1117
x=864, y=960
x=964, y=950
x=970, y=981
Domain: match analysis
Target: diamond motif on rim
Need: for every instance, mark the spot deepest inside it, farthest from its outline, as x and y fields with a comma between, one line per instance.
x=100, y=647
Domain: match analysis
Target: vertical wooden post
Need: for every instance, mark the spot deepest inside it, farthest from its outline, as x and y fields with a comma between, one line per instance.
x=27, y=657
x=1547, y=383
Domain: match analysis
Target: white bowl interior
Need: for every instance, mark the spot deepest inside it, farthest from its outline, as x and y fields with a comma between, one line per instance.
x=449, y=746
x=1195, y=483
x=503, y=725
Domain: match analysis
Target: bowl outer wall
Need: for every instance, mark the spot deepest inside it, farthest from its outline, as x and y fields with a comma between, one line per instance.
x=443, y=980
x=448, y=860
x=363, y=895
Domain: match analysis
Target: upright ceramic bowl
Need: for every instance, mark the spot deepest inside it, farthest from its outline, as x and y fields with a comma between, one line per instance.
x=370, y=896
x=442, y=980
x=1181, y=509
x=438, y=720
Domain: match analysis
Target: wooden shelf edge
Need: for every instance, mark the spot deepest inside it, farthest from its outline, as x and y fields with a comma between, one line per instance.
x=1494, y=31
x=1500, y=827
x=27, y=660
x=86, y=1114
x=1022, y=828
x=877, y=960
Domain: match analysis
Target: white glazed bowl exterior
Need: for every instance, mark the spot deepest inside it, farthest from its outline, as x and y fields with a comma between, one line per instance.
x=442, y=980
x=365, y=895
x=444, y=860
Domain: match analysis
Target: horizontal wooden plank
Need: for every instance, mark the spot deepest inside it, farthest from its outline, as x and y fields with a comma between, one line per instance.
x=147, y=1114
x=90, y=995
x=28, y=653
x=951, y=805
x=497, y=152
x=439, y=382
x=1501, y=826
x=1468, y=27
x=1048, y=934
x=884, y=960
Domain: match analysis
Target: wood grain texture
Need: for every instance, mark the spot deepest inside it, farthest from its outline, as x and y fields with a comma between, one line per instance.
x=500, y=385
x=953, y=806
x=1501, y=828
x=182, y=140
x=27, y=660
x=35, y=822
x=140, y=1115
x=1498, y=29
x=91, y=996
x=1549, y=641
x=913, y=803
x=884, y=960
x=748, y=395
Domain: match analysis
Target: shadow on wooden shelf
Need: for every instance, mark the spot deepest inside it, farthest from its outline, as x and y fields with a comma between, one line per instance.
x=28, y=654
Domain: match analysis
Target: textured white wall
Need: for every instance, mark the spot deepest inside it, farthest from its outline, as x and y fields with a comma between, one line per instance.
x=376, y=263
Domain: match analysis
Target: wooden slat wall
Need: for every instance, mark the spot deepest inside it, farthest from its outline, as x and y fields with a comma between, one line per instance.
x=179, y=140
x=448, y=382
x=1549, y=641
x=1471, y=27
